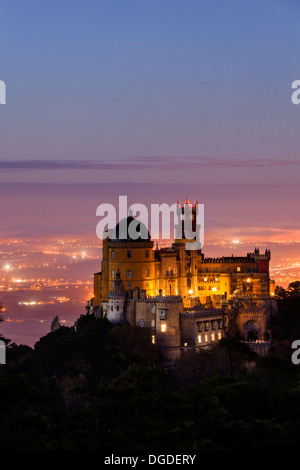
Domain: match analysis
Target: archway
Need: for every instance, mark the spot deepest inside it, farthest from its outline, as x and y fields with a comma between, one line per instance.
x=252, y=335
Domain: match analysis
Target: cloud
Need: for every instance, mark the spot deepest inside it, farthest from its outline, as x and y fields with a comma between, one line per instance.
x=166, y=163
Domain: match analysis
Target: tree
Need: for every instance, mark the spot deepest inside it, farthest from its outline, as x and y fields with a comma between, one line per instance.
x=294, y=288
x=238, y=353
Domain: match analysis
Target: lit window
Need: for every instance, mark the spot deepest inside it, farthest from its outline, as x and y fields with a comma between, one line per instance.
x=129, y=274
x=153, y=339
x=205, y=279
x=206, y=338
x=112, y=254
x=185, y=345
x=199, y=338
x=219, y=335
x=153, y=323
x=129, y=254
x=238, y=269
x=163, y=327
x=214, y=289
x=212, y=336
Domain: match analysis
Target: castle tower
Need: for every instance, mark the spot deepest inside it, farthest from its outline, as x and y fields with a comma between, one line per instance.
x=116, y=300
x=134, y=258
x=187, y=215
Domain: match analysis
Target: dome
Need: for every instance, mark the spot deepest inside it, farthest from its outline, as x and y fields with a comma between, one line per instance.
x=139, y=230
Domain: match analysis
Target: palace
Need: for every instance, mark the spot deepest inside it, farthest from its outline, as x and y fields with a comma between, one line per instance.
x=187, y=300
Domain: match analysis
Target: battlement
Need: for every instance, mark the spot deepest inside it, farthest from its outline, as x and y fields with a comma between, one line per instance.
x=252, y=296
x=116, y=294
x=162, y=299
x=199, y=312
x=227, y=259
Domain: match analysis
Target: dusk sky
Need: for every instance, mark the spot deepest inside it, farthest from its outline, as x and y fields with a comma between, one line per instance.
x=154, y=100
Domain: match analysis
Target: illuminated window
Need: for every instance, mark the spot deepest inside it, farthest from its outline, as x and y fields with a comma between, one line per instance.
x=129, y=254
x=112, y=254
x=212, y=336
x=205, y=279
x=185, y=345
x=199, y=339
x=153, y=339
x=206, y=338
x=129, y=274
x=238, y=269
x=219, y=335
x=153, y=323
x=163, y=327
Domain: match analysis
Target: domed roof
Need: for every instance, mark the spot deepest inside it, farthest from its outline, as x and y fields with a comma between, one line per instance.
x=127, y=231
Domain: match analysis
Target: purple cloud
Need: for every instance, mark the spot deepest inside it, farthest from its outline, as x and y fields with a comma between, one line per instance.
x=144, y=162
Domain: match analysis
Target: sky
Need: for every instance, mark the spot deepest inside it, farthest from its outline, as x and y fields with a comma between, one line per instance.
x=154, y=99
